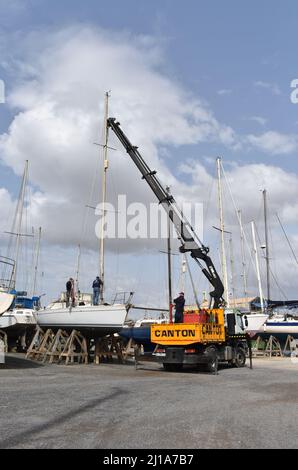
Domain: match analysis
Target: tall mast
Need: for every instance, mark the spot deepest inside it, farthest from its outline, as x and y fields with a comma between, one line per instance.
x=19, y=215
x=36, y=262
x=192, y=282
x=104, y=197
x=78, y=269
x=169, y=258
x=222, y=230
x=257, y=265
x=232, y=266
x=243, y=254
x=182, y=272
x=267, y=244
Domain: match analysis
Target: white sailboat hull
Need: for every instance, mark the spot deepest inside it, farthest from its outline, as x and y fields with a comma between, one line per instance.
x=255, y=323
x=17, y=323
x=277, y=326
x=7, y=321
x=5, y=301
x=99, y=320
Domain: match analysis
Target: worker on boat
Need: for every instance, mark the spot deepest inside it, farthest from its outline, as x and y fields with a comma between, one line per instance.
x=70, y=293
x=179, y=307
x=97, y=285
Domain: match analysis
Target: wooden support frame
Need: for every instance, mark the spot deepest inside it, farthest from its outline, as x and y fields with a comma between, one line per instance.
x=56, y=347
x=273, y=348
x=40, y=344
x=75, y=348
x=107, y=348
x=291, y=346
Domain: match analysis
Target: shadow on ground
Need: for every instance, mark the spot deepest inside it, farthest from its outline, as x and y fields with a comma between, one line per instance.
x=18, y=362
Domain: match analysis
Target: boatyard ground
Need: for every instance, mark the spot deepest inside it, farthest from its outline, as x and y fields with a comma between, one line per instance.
x=114, y=406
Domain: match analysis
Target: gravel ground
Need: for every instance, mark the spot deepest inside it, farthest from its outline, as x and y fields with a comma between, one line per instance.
x=113, y=406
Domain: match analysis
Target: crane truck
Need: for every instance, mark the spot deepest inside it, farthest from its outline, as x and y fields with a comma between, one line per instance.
x=206, y=336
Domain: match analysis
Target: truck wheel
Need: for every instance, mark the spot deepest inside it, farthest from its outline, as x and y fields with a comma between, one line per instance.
x=240, y=357
x=172, y=367
x=212, y=364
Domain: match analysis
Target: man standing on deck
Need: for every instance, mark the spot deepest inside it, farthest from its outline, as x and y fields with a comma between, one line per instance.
x=70, y=292
x=97, y=285
x=179, y=306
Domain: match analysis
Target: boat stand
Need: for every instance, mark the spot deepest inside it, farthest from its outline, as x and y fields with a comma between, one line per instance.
x=3, y=346
x=140, y=356
x=3, y=339
x=107, y=348
x=258, y=348
x=40, y=344
x=56, y=347
x=273, y=348
x=75, y=349
x=268, y=348
x=291, y=347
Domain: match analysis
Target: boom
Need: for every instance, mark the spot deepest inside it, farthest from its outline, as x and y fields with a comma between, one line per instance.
x=190, y=241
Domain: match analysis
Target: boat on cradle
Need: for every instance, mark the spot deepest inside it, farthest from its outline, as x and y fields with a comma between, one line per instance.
x=93, y=321
x=140, y=332
x=281, y=321
x=280, y=326
x=19, y=322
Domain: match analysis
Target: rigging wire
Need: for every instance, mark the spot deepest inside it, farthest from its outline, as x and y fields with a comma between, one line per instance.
x=237, y=214
x=287, y=238
x=272, y=274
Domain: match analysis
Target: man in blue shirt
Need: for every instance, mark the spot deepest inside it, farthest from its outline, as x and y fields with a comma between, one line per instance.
x=179, y=305
x=97, y=284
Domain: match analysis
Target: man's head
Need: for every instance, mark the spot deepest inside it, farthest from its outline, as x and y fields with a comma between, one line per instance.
x=97, y=278
x=181, y=294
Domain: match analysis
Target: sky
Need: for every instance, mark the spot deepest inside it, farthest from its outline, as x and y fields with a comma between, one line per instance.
x=190, y=81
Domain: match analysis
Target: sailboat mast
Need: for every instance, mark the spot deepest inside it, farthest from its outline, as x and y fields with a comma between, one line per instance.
x=267, y=244
x=78, y=269
x=232, y=267
x=169, y=259
x=20, y=208
x=36, y=262
x=104, y=198
x=182, y=273
x=222, y=230
x=192, y=282
x=243, y=254
x=257, y=265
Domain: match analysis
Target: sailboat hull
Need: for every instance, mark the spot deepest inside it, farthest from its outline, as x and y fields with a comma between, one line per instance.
x=93, y=321
x=255, y=323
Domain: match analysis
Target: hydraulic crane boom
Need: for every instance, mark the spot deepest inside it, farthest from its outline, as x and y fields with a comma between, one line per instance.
x=190, y=242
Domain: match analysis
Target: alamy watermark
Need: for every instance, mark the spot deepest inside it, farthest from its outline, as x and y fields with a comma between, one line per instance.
x=294, y=94
x=2, y=91
x=139, y=221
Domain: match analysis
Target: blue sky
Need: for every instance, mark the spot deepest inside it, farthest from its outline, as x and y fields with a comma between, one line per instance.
x=234, y=47
x=236, y=60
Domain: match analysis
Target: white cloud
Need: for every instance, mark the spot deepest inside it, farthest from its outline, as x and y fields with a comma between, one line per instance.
x=58, y=102
x=272, y=87
x=59, y=111
x=259, y=119
x=224, y=91
x=274, y=142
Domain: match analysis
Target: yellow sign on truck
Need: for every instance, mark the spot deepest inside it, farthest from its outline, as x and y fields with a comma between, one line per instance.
x=180, y=334
x=184, y=334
